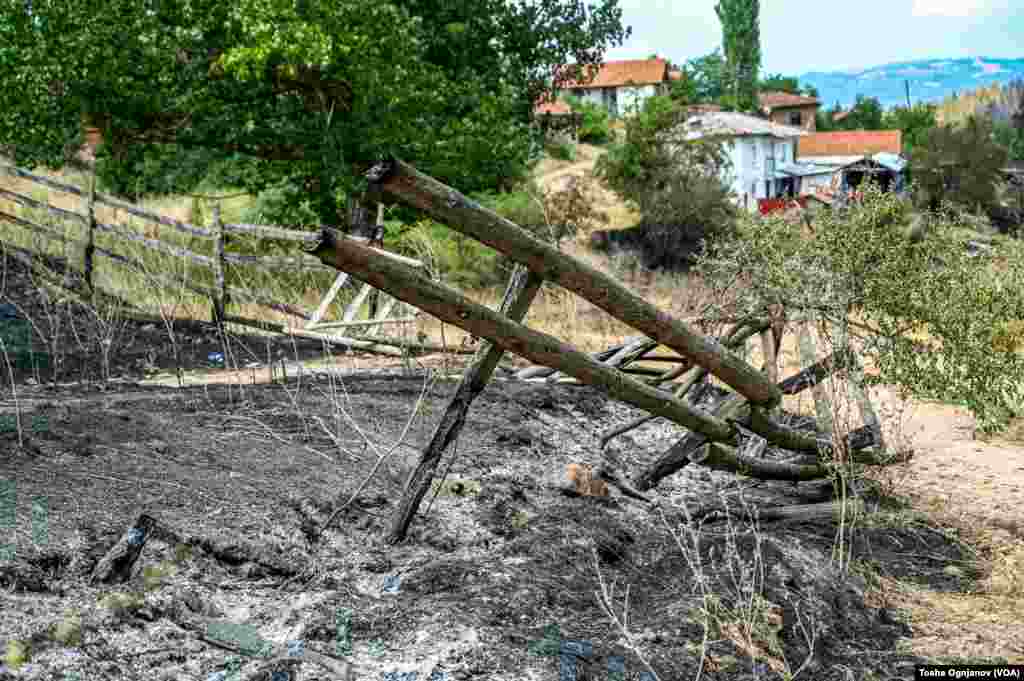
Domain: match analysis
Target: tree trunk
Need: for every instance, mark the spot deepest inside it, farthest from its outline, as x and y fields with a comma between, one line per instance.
x=522, y=288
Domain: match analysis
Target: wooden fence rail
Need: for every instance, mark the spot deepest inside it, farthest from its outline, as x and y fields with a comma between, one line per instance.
x=221, y=293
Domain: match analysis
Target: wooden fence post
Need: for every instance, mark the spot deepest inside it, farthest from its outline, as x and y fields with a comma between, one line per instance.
x=90, y=237
x=220, y=294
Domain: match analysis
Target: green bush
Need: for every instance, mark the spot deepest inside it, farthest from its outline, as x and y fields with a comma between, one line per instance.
x=595, y=127
x=561, y=150
x=676, y=184
x=869, y=270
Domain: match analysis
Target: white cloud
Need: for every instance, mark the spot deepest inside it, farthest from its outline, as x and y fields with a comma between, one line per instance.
x=949, y=8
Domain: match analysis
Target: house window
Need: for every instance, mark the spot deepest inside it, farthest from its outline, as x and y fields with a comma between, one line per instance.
x=795, y=118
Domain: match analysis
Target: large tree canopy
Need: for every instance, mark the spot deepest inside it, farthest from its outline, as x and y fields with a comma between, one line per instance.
x=298, y=93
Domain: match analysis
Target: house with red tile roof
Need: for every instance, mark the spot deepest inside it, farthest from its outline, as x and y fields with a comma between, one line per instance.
x=785, y=108
x=851, y=143
x=851, y=156
x=620, y=86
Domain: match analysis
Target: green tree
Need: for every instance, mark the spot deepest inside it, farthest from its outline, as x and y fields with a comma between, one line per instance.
x=858, y=272
x=959, y=164
x=741, y=42
x=595, y=126
x=913, y=122
x=1012, y=139
x=292, y=94
x=866, y=114
x=676, y=183
x=684, y=90
x=780, y=83
x=708, y=76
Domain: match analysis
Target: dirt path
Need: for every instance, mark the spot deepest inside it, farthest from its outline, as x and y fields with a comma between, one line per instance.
x=977, y=488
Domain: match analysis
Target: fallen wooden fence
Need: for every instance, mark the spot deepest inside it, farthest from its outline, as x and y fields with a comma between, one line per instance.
x=221, y=293
x=721, y=434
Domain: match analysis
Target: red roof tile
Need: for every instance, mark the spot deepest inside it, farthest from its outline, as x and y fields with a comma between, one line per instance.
x=850, y=143
x=618, y=73
x=781, y=100
x=675, y=75
x=555, y=108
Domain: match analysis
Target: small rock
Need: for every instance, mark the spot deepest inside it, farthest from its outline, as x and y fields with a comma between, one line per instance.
x=953, y=571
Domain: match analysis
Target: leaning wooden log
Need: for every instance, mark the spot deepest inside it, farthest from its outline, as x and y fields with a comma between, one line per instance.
x=736, y=337
x=601, y=356
x=721, y=457
x=830, y=510
x=519, y=294
x=817, y=372
x=417, y=289
x=402, y=181
x=116, y=565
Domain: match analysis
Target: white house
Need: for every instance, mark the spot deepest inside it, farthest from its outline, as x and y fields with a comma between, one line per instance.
x=622, y=86
x=757, y=148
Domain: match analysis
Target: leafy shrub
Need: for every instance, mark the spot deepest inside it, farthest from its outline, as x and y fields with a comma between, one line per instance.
x=676, y=183
x=867, y=261
x=595, y=126
x=561, y=150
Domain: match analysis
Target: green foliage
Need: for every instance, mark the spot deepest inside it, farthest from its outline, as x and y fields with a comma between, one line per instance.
x=459, y=260
x=676, y=183
x=595, y=126
x=741, y=42
x=913, y=122
x=18, y=653
x=780, y=83
x=121, y=603
x=863, y=262
x=68, y=632
x=959, y=164
x=866, y=114
x=707, y=74
x=561, y=150
x=1011, y=138
x=279, y=93
x=684, y=90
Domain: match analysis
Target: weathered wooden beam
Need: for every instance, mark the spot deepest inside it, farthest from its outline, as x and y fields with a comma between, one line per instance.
x=519, y=294
x=718, y=456
x=450, y=306
x=402, y=181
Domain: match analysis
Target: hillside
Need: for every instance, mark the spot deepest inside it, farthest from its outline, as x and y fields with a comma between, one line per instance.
x=930, y=80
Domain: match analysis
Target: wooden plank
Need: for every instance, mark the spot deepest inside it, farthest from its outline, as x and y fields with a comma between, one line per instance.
x=366, y=322
x=269, y=232
x=353, y=307
x=822, y=404
x=90, y=235
x=45, y=230
x=276, y=262
x=385, y=310
x=31, y=203
x=109, y=201
x=219, y=300
x=156, y=245
x=452, y=208
x=519, y=295
x=339, y=281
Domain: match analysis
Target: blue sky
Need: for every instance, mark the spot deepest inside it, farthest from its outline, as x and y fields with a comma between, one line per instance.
x=810, y=35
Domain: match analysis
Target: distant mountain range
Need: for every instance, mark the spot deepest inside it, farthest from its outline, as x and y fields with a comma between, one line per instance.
x=931, y=80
